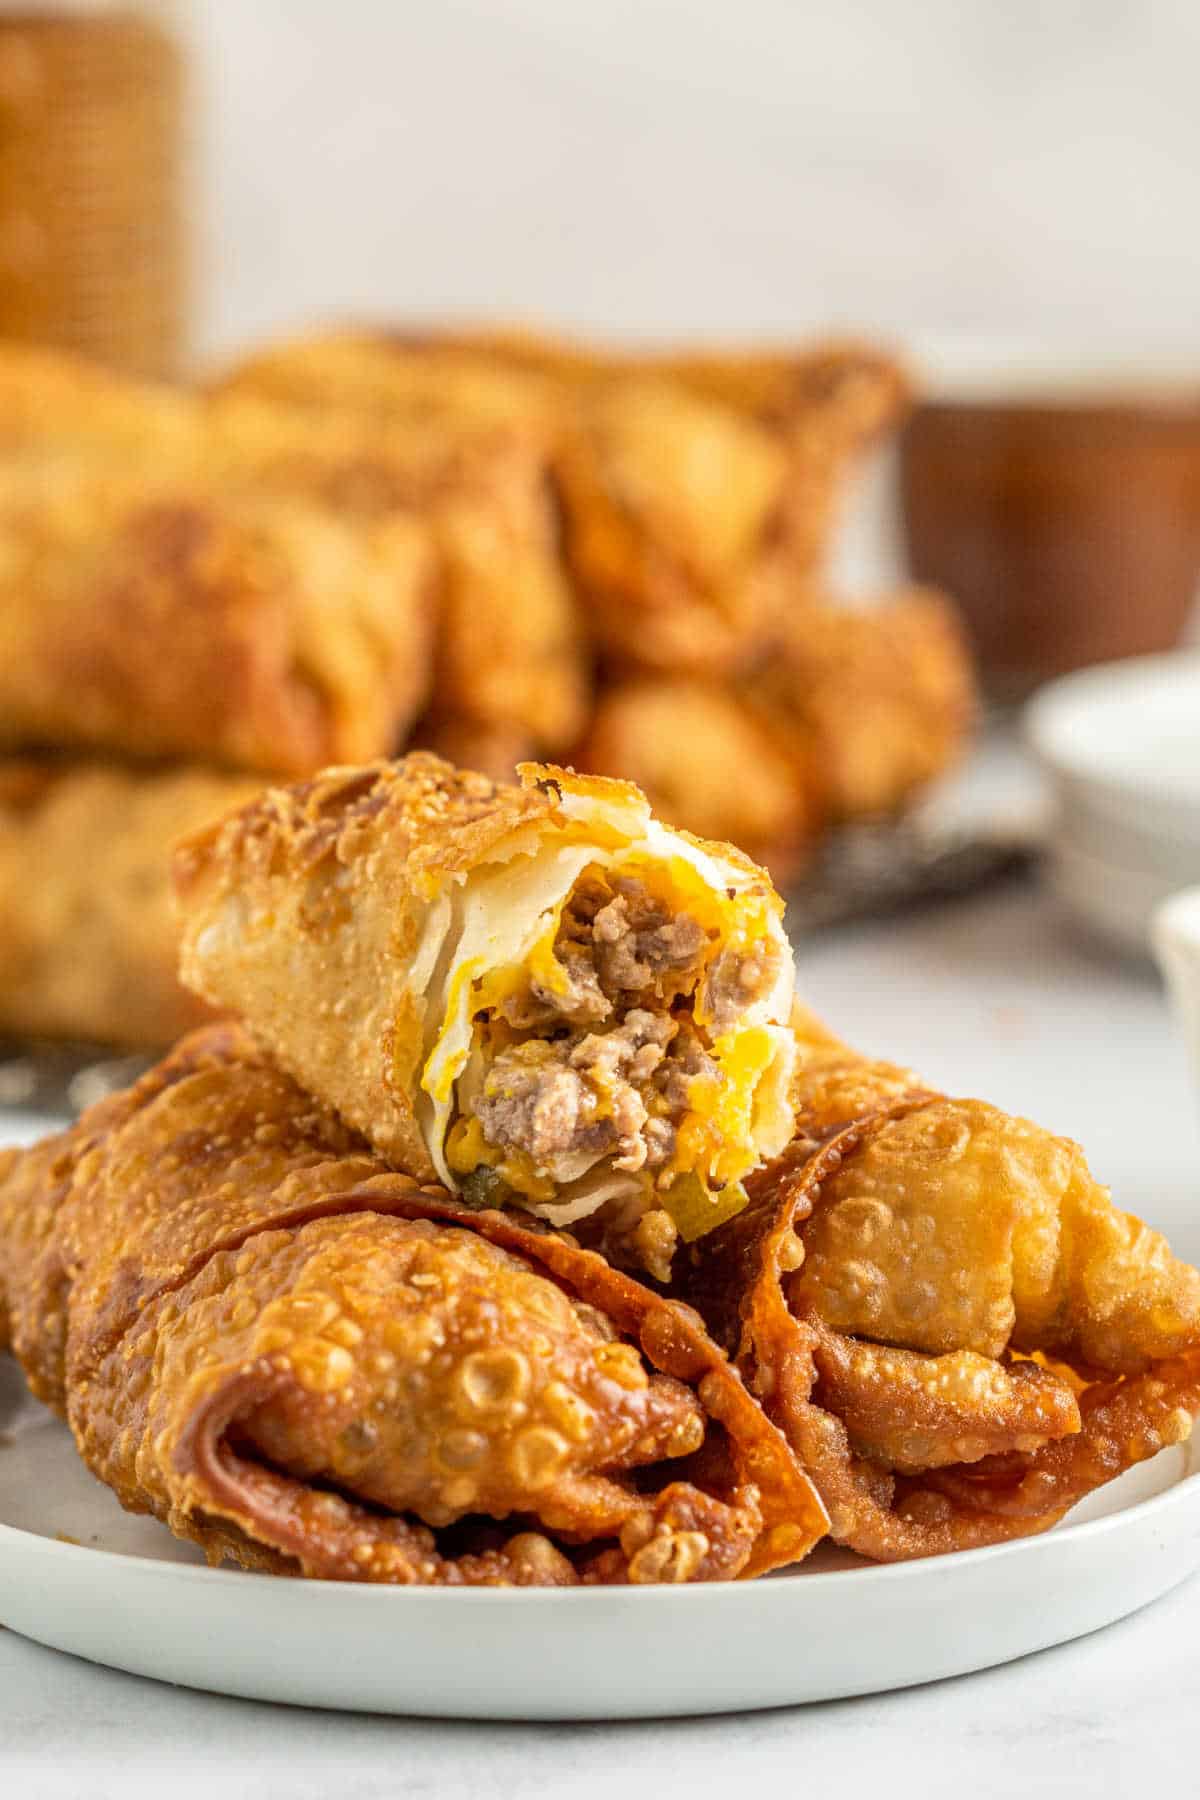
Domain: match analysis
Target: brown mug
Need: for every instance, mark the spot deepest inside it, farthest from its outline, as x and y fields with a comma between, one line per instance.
x=1068, y=530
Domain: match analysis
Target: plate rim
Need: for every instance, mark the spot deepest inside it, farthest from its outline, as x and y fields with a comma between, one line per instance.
x=384, y=1592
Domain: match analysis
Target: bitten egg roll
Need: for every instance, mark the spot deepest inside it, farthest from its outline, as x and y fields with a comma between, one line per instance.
x=538, y=994
x=312, y=1365
x=954, y=1326
x=89, y=945
x=261, y=631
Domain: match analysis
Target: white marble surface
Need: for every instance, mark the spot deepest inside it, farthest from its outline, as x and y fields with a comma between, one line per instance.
x=996, y=996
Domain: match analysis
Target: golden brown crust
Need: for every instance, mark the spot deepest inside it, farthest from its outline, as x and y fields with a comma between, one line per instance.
x=708, y=764
x=874, y=704
x=327, y=889
x=886, y=1283
x=307, y=1362
x=510, y=654
x=89, y=944
x=698, y=489
x=911, y=1413
x=702, y=486
x=432, y=817
x=848, y=717
x=335, y=876
x=64, y=415
x=258, y=632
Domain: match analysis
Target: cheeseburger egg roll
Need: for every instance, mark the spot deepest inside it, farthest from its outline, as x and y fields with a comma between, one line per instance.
x=310, y=1364
x=539, y=995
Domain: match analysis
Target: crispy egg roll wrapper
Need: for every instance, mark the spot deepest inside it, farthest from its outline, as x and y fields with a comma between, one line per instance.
x=509, y=654
x=537, y=985
x=702, y=488
x=697, y=490
x=257, y=631
x=63, y=416
x=89, y=942
x=956, y=1329
x=849, y=718
x=304, y=1361
x=707, y=763
x=83, y=446
x=872, y=703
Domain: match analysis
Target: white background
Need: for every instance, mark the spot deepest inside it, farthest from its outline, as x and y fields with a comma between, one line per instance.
x=659, y=166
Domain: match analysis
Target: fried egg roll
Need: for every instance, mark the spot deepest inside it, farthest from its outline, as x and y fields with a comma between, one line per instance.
x=63, y=416
x=260, y=632
x=954, y=1326
x=509, y=653
x=697, y=490
x=851, y=715
x=708, y=763
x=312, y=1365
x=538, y=995
x=875, y=702
x=89, y=945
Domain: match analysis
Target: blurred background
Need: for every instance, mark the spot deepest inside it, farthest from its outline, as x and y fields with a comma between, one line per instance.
x=657, y=167
x=802, y=596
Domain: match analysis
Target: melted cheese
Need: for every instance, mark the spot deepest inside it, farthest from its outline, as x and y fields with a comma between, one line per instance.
x=510, y=913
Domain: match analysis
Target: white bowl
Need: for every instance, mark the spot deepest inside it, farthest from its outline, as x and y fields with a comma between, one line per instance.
x=1120, y=746
x=1176, y=938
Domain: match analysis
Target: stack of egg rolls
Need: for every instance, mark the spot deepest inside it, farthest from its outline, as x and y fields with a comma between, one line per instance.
x=699, y=496
x=198, y=595
x=697, y=490
x=496, y=546
x=526, y=1231
x=310, y=1364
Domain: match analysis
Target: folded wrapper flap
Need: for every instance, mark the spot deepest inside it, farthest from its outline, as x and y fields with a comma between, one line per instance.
x=305, y=1361
x=955, y=1328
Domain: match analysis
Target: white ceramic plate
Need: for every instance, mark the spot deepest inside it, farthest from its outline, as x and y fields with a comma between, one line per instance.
x=79, y=1574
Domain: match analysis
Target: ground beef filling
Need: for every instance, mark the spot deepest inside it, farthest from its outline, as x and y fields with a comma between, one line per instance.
x=629, y=964
x=617, y=947
x=620, y=1093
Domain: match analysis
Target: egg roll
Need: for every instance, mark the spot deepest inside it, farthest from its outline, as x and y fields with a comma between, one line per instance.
x=945, y=1313
x=701, y=488
x=260, y=632
x=848, y=718
x=509, y=653
x=697, y=490
x=707, y=762
x=89, y=945
x=63, y=416
x=874, y=702
x=538, y=995
x=309, y=1364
